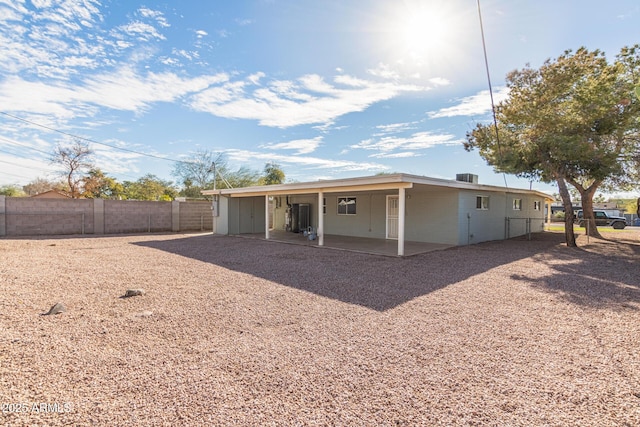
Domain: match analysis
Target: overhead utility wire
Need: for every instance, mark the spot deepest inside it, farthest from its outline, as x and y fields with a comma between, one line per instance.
x=493, y=106
x=89, y=140
x=13, y=174
x=23, y=145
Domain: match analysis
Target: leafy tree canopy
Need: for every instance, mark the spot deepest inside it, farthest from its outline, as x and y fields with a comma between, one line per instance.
x=574, y=120
x=273, y=174
x=11, y=191
x=97, y=185
x=150, y=187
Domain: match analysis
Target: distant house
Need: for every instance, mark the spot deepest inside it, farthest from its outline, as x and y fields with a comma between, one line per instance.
x=611, y=208
x=52, y=194
x=399, y=207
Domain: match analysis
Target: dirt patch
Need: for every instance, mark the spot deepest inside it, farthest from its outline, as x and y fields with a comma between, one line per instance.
x=248, y=332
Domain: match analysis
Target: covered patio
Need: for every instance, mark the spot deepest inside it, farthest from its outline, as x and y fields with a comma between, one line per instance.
x=366, y=245
x=394, y=215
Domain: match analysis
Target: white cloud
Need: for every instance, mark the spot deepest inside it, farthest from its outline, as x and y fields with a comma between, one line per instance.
x=156, y=15
x=244, y=156
x=201, y=33
x=302, y=146
x=401, y=155
x=416, y=141
x=245, y=22
x=384, y=71
x=395, y=128
x=123, y=89
x=116, y=161
x=439, y=81
x=142, y=31
x=474, y=105
x=309, y=100
x=255, y=78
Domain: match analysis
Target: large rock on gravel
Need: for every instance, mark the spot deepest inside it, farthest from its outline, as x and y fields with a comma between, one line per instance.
x=133, y=293
x=57, y=308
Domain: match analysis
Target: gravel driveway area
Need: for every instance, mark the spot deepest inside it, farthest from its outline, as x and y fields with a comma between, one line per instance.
x=234, y=331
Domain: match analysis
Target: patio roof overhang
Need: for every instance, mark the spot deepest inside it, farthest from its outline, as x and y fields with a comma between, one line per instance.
x=395, y=182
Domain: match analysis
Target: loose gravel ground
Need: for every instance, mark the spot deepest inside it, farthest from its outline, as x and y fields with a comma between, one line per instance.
x=233, y=331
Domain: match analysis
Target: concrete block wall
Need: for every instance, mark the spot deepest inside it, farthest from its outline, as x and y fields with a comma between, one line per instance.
x=133, y=216
x=195, y=216
x=27, y=216
x=23, y=216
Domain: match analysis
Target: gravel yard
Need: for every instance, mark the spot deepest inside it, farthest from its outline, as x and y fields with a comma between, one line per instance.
x=235, y=331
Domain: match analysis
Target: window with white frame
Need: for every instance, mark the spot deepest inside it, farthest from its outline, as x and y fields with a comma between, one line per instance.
x=536, y=205
x=517, y=204
x=482, y=203
x=346, y=205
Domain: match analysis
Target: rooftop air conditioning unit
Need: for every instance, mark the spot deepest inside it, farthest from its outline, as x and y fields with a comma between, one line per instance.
x=467, y=177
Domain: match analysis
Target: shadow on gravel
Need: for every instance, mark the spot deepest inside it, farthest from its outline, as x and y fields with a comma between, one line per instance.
x=377, y=282
x=599, y=274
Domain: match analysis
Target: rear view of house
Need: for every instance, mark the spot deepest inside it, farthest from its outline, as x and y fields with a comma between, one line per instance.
x=398, y=207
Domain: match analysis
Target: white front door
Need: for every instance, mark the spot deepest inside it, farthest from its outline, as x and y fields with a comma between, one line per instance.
x=392, y=217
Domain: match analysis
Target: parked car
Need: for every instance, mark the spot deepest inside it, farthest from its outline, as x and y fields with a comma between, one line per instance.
x=602, y=218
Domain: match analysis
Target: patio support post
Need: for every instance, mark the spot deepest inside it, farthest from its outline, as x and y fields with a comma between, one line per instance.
x=266, y=216
x=401, y=213
x=320, y=230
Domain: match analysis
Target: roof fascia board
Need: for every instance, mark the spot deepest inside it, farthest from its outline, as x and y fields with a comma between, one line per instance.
x=268, y=190
x=378, y=182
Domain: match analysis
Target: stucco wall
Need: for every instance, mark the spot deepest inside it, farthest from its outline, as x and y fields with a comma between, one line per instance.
x=369, y=220
x=476, y=225
x=431, y=215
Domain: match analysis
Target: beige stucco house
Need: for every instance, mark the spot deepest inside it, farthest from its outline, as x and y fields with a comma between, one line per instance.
x=399, y=207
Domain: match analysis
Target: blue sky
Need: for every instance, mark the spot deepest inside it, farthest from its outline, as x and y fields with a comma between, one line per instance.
x=327, y=89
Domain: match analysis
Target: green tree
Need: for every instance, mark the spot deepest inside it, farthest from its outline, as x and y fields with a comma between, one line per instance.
x=273, y=174
x=243, y=177
x=11, y=191
x=74, y=160
x=571, y=121
x=97, y=185
x=150, y=187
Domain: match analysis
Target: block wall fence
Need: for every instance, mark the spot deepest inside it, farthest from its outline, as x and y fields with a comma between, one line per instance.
x=24, y=216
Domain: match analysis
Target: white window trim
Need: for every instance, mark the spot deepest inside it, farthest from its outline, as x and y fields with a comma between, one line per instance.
x=355, y=199
x=484, y=207
x=517, y=204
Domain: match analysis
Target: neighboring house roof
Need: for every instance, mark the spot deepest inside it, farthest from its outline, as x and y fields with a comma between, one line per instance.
x=606, y=206
x=52, y=194
x=377, y=182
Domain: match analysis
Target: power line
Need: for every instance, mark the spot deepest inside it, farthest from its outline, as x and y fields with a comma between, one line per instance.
x=21, y=166
x=493, y=106
x=48, y=154
x=89, y=140
x=13, y=174
x=24, y=145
